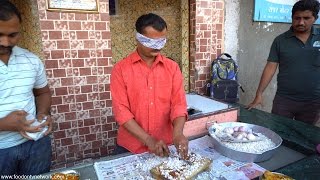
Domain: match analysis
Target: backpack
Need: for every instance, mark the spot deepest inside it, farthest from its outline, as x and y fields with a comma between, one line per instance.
x=223, y=85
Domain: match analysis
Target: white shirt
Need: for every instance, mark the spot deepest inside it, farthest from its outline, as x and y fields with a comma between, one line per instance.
x=24, y=72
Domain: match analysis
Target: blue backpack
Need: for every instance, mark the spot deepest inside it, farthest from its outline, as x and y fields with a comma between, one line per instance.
x=223, y=85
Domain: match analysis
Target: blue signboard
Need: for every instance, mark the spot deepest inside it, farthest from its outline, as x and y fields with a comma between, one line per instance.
x=274, y=10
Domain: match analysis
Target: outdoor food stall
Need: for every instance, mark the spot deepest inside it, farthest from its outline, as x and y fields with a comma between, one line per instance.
x=226, y=142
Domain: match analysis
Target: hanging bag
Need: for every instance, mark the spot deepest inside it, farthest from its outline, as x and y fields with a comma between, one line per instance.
x=224, y=85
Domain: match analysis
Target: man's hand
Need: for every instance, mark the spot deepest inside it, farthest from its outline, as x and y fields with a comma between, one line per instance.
x=48, y=122
x=257, y=100
x=16, y=121
x=181, y=144
x=158, y=147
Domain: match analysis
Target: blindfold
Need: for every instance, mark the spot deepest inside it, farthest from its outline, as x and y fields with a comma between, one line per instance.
x=151, y=43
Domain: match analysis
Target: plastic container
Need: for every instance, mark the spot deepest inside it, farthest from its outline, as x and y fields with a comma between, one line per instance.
x=37, y=135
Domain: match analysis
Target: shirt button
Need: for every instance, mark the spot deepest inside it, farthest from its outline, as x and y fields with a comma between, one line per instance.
x=151, y=103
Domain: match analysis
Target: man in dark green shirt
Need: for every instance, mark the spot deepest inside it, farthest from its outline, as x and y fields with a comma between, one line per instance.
x=297, y=53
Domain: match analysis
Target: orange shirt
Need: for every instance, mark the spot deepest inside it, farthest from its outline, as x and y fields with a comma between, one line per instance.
x=153, y=97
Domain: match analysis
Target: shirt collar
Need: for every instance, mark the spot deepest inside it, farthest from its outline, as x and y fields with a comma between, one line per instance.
x=136, y=57
x=290, y=33
x=16, y=51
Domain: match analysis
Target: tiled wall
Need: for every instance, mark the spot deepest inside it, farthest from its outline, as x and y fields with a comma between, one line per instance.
x=192, y=33
x=77, y=50
x=206, y=40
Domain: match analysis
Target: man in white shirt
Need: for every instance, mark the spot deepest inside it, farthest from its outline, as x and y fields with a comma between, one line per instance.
x=24, y=98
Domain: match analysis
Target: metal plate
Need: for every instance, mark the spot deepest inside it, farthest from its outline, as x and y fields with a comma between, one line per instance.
x=244, y=156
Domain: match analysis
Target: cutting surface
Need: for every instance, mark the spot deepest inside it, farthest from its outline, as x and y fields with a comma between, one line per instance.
x=205, y=105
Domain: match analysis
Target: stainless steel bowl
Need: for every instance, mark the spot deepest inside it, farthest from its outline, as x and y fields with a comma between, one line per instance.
x=244, y=156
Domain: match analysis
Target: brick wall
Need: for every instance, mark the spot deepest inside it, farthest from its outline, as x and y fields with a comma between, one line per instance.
x=206, y=40
x=192, y=38
x=77, y=50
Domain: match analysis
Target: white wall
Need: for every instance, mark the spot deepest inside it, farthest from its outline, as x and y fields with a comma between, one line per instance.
x=249, y=43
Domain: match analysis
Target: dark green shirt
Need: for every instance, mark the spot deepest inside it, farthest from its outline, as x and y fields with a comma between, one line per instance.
x=299, y=65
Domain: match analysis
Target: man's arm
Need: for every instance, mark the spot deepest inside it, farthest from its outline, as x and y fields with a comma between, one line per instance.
x=155, y=146
x=266, y=77
x=179, y=140
x=43, y=104
x=133, y=127
x=178, y=125
x=43, y=100
x=178, y=114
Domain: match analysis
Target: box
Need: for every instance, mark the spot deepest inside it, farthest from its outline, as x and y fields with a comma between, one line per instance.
x=203, y=111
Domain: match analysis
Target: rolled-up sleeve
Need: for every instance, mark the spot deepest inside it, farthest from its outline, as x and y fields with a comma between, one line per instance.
x=178, y=96
x=120, y=103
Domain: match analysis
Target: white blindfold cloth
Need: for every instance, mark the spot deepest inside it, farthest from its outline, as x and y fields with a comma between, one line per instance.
x=151, y=43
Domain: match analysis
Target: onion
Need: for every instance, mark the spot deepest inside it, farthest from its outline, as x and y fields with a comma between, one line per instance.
x=242, y=129
x=228, y=130
x=239, y=137
x=244, y=134
x=249, y=130
x=236, y=133
x=251, y=137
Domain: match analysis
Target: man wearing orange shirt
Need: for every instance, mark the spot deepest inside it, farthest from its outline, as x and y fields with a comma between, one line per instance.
x=148, y=97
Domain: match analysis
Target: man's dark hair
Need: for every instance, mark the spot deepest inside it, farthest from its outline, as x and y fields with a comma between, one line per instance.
x=150, y=20
x=8, y=10
x=303, y=5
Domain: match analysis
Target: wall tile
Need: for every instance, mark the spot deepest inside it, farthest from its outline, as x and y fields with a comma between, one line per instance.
x=81, y=16
x=76, y=107
x=87, y=26
x=82, y=35
x=83, y=115
x=79, y=81
x=61, y=25
x=63, y=44
x=77, y=44
x=66, y=81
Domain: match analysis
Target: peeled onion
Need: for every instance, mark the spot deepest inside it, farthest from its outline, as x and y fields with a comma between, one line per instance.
x=235, y=133
x=249, y=130
x=228, y=130
x=251, y=137
x=239, y=137
x=244, y=134
x=242, y=129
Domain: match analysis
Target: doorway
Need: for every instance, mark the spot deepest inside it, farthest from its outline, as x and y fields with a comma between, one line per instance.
x=174, y=12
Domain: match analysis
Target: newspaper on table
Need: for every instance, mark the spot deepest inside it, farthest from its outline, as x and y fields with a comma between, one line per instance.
x=136, y=167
